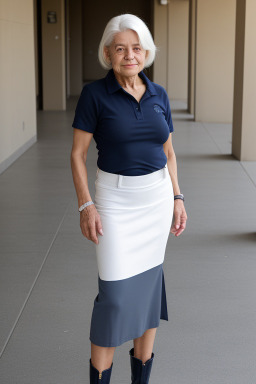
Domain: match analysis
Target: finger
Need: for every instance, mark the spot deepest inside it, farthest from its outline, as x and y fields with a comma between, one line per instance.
x=174, y=231
x=179, y=232
x=85, y=231
x=181, y=228
x=183, y=218
x=183, y=225
x=99, y=227
x=177, y=221
x=92, y=230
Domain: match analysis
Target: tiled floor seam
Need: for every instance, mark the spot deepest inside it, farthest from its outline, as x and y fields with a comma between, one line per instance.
x=244, y=169
x=205, y=128
x=35, y=280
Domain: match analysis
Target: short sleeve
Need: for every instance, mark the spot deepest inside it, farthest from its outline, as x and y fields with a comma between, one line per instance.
x=168, y=113
x=86, y=113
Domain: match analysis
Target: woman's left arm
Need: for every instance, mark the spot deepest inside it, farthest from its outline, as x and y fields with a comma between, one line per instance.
x=180, y=215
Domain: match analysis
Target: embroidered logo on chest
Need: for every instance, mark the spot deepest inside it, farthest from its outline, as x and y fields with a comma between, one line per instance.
x=158, y=109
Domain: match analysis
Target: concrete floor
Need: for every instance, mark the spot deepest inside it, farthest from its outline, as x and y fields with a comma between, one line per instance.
x=48, y=272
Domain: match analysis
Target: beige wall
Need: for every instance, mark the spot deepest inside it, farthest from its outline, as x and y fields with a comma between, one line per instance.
x=215, y=48
x=161, y=41
x=36, y=45
x=212, y=42
x=75, y=51
x=94, y=22
x=171, y=38
x=53, y=56
x=191, y=56
x=244, y=131
x=248, y=151
x=177, y=86
x=17, y=78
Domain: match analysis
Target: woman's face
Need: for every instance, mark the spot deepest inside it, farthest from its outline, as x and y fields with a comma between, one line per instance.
x=126, y=54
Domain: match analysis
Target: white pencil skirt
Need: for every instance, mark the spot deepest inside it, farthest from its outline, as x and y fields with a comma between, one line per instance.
x=136, y=214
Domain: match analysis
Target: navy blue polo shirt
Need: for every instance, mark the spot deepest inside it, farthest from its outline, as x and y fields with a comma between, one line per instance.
x=129, y=135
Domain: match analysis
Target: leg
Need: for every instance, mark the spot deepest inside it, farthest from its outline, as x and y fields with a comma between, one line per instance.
x=141, y=357
x=101, y=357
x=143, y=346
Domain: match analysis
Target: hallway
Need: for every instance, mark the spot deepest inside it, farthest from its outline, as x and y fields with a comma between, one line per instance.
x=48, y=272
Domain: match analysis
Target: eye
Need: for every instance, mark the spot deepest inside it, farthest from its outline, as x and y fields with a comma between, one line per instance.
x=137, y=49
x=119, y=49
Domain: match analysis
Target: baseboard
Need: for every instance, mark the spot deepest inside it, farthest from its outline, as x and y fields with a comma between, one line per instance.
x=14, y=156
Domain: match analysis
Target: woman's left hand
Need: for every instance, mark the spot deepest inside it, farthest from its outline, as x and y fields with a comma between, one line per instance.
x=180, y=217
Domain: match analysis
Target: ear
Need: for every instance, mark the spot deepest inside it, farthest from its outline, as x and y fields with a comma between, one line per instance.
x=146, y=55
x=106, y=53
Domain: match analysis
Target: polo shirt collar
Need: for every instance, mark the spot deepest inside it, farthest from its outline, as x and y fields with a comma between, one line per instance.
x=113, y=85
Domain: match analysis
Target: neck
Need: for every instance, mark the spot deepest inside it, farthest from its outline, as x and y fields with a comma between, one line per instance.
x=127, y=82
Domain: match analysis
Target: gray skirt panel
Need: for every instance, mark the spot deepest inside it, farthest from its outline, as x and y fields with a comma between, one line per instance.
x=124, y=309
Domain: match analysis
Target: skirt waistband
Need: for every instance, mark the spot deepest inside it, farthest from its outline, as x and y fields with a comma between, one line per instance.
x=119, y=181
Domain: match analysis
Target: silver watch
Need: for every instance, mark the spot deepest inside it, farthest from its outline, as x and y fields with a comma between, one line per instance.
x=180, y=196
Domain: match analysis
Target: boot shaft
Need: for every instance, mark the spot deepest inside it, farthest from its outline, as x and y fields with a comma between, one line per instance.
x=97, y=377
x=140, y=372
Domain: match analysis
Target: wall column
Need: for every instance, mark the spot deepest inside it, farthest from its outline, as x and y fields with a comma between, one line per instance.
x=76, y=48
x=215, y=49
x=160, y=75
x=191, y=57
x=53, y=55
x=244, y=132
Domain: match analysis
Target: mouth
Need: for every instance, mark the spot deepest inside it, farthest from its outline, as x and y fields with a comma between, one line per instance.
x=129, y=65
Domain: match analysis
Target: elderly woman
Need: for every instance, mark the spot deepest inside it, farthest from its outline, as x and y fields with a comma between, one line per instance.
x=137, y=196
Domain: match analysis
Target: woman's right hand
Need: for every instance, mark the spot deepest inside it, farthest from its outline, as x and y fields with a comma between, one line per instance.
x=90, y=223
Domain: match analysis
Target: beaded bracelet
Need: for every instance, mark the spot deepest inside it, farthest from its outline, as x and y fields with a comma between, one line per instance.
x=181, y=196
x=85, y=205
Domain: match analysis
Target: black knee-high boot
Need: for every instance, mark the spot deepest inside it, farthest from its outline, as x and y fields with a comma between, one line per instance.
x=97, y=377
x=140, y=373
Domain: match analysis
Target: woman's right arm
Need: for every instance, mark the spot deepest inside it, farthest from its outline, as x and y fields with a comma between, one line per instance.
x=90, y=222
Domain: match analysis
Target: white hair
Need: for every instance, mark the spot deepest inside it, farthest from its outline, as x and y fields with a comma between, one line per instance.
x=122, y=23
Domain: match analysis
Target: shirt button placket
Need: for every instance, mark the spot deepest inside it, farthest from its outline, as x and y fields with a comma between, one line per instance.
x=138, y=112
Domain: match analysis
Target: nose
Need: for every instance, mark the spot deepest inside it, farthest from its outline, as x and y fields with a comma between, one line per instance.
x=129, y=54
